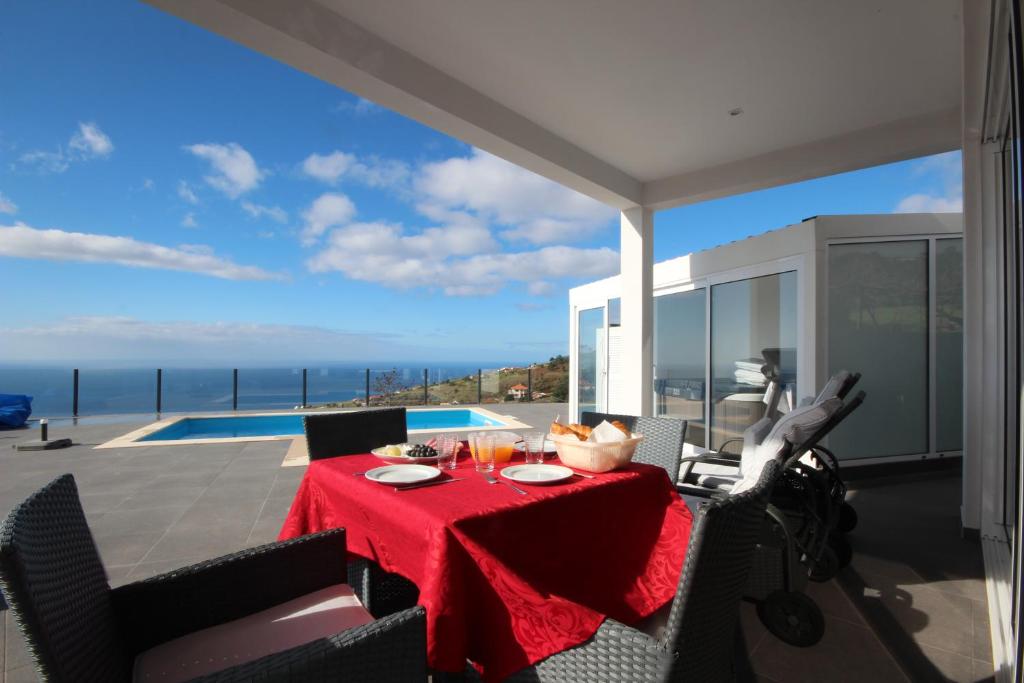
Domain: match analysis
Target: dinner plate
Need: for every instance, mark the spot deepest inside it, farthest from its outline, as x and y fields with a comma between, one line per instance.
x=537, y=474
x=396, y=475
x=402, y=459
x=549, y=446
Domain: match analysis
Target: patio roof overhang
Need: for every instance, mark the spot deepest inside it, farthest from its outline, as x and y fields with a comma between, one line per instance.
x=643, y=106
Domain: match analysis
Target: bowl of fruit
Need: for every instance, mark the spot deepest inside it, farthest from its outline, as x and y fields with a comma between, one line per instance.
x=406, y=453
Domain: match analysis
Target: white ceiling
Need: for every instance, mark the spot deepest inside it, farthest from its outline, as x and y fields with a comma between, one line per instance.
x=648, y=86
x=630, y=101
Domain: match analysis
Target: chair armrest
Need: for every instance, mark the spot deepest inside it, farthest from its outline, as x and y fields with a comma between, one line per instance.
x=713, y=459
x=170, y=605
x=393, y=648
x=735, y=439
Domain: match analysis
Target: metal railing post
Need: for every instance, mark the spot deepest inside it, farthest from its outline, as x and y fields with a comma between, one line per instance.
x=234, y=389
x=426, y=391
x=159, y=389
x=74, y=395
x=529, y=384
x=367, y=387
x=304, y=387
x=479, y=386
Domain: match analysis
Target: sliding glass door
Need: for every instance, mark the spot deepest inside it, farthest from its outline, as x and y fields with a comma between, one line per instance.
x=680, y=363
x=590, y=364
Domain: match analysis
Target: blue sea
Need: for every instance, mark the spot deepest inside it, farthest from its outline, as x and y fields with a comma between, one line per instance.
x=133, y=390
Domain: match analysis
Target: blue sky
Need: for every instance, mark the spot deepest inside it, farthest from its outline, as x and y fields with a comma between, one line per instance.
x=166, y=194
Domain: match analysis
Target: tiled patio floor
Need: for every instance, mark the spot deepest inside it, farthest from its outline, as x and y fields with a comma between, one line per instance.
x=160, y=507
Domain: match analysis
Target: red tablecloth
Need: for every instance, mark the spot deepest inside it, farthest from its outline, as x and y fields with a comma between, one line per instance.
x=508, y=579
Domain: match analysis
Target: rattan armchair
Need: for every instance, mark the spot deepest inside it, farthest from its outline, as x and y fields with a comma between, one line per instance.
x=663, y=438
x=79, y=629
x=696, y=636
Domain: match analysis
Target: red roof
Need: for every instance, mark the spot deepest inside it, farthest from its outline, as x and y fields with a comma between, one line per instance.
x=520, y=387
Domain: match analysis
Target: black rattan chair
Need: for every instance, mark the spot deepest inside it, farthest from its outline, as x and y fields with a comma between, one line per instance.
x=79, y=629
x=663, y=438
x=329, y=435
x=694, y=640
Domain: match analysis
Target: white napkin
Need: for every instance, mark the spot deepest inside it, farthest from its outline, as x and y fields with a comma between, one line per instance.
x=606, y=432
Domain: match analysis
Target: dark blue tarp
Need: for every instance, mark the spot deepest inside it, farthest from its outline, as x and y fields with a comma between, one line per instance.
x=14, y=409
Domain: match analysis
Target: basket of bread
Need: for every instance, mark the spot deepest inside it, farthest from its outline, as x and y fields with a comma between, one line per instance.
x=599, y=449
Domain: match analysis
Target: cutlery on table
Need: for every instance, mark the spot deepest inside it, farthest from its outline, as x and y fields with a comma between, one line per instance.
x=491, y=479
x=585, y=476
x=427, y=483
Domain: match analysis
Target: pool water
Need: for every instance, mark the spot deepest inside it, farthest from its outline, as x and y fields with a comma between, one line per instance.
x=291, y=425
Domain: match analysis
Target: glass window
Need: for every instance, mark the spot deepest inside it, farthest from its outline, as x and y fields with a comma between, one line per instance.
x=614, y=312
x=590, y=348
x=679, y=351
x=752, y=321
x=949, y=344
x=878, y=326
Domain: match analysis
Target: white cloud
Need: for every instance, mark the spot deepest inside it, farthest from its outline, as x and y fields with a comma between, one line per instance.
x=329, y=210
x=234, y=170
x=945, y=170
x=449, y=258
x=90, y=141
x=6, y=205
x=925, y=203
x=360, y=107
x=23, y=241
x=186, y=193
x=189, y=221
x=540, y=288
x=148, y=184
x=371, y=171
x=529, y=207
x=125, y=340
x=275, y=213
x=46, y=162
x=328, y=168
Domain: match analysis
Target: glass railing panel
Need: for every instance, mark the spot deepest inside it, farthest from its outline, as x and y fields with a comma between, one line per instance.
x=50, y=388
x=949, y=344
x=269, y=388
x=110, y=392
x=197, y=390
x=336, y=387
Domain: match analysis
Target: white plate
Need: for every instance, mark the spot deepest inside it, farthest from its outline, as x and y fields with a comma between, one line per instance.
x=402, y=459
x=537, y=474
x=396, y=475
x=549, y=447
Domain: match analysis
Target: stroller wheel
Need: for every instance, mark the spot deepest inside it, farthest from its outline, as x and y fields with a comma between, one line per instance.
x=847, y=518
x=841, y=547
x=826, y=567
x=793, y=618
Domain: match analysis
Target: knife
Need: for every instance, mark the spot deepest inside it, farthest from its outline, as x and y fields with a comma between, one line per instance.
x=427, y=483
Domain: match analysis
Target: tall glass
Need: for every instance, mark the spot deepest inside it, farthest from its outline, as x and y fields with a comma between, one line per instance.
x=533, y=447
x=447, y=451
x=482, y=449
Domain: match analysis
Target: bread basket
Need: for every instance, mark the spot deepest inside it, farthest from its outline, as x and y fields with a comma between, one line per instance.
x=592, y=456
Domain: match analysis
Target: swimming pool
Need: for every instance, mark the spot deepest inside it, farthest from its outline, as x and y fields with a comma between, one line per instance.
x=272, y=426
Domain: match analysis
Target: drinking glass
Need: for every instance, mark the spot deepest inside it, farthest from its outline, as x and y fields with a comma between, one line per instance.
x=483, y=452
x=533, y=447
x=447, y=451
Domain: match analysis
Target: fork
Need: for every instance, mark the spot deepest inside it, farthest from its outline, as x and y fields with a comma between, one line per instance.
x=491, y=479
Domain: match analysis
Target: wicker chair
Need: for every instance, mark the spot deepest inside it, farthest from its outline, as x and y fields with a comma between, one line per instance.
x=329, y=435
x=79, y=629
x=663, y=438
x=695, y=638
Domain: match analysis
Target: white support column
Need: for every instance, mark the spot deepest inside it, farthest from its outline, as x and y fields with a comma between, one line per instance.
x=637, y=276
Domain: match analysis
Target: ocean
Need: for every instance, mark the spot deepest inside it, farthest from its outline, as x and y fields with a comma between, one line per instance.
x=133, y=390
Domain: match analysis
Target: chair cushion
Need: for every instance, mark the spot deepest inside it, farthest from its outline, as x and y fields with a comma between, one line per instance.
x=290, y=624
x=832, y=387
x=718, y=481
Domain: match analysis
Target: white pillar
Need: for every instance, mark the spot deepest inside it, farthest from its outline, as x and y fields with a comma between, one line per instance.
x=637, y=276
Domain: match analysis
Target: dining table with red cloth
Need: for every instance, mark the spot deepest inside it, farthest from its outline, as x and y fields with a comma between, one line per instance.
x=508, y=579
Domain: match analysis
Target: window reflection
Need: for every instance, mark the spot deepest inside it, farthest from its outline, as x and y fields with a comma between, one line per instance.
x=590, y=343
x=679, y=353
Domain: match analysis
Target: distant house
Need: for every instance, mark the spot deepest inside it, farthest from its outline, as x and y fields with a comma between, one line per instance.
x=518, y=391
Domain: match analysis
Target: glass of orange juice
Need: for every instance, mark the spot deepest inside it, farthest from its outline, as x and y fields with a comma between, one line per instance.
x=481, y=446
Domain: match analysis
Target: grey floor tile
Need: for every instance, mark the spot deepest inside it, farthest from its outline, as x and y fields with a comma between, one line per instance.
x=15, y=651
x=983, y=671
x=118, y=575
x=931, y=617
x=833, y=602
x=847, y=653
x=142, y=520
x=22, y=674
x=949, y=665
x=3, y=643
x=184, y=495
x=982, y=633
x=122, y=549
x=145, y=570
x=754, y=631
x=187, y=546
